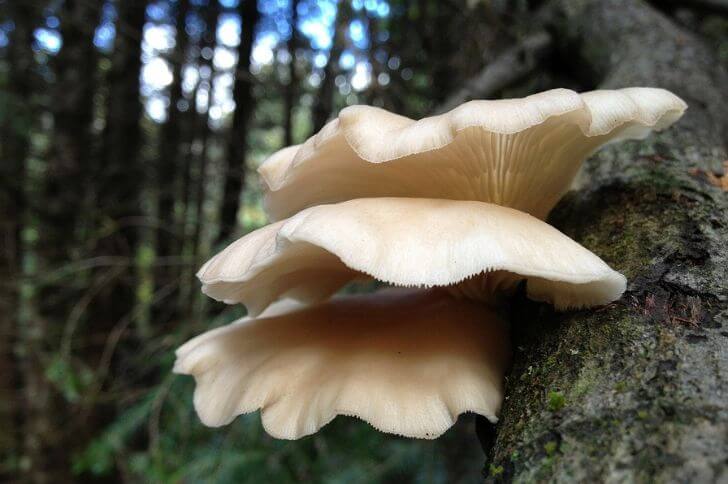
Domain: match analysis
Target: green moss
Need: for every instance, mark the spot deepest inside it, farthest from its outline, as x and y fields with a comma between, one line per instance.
x=615, y=222
x=556, y=401
x=545, y=469
x=576, y=356
x=551, y=447
x=586, y=382
x=495, y=471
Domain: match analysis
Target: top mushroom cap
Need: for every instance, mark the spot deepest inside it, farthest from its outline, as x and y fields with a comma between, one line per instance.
x=521, y=153
x=409, y=242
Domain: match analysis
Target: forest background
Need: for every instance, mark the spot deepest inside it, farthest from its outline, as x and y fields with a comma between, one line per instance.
x=130, y=133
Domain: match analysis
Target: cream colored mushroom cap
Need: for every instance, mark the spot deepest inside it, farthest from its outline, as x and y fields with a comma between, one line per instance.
x=521, y=153
x=409, y=242
x=406, y=361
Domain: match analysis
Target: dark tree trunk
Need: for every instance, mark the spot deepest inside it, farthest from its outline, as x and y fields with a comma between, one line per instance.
x=169, y=165
x=237, y=144
x=440, y=43
x=374, y=93
x=635, y=391
x=290, y=93
x=200, y=185
x=323, y=106
x=19, y=120
x=188, y=127
x=69, y=156
x=118, y=180
x=399, y=46
x=203, y=131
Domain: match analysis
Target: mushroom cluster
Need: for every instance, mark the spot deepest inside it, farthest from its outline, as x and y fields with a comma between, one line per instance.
x=449, y=210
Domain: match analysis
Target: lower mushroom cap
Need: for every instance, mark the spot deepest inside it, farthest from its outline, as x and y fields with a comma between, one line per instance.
x=409, y=242
x=406, y=361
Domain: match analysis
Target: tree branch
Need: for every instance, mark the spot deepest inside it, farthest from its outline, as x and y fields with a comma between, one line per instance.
x=510, y=67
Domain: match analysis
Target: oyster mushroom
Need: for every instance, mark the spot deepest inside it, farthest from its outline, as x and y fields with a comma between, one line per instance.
x=521, y=153
x=449, y=206
x=474, y=249
x=406, y=361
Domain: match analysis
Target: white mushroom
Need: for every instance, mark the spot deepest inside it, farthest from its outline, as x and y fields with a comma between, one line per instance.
x=441, y=204
x=477, y=249
x=406, y=361
x=522, y=153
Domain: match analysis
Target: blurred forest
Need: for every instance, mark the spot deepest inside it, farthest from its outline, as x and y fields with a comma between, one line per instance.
x=130, y=133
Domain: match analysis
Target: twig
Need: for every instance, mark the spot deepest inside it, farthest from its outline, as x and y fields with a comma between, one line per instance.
x=110, y=348
x=156, y=413
x=511, y=66
x=79, y=308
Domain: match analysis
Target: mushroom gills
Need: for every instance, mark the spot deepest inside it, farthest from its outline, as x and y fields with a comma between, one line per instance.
x=478, y=250
x=521, y=153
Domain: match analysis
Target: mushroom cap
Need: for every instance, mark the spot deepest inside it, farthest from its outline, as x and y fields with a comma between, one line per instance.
x=521, y=153
x=409, y=242
x=406, y=361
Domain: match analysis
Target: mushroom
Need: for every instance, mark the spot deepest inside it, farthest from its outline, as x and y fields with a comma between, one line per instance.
x=406, y=361
x=475, y=249
x=522, y=153
x=449, y=207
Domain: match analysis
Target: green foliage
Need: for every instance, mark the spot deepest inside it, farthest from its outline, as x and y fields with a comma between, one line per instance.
x=98, y=458
x=551, y=447
x=181, y=449
x=101, y=287
x=70, y=380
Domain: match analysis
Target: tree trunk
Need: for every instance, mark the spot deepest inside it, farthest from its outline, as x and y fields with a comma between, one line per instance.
x=118, y=180
x=68, y=161
x=19, y=120
x=440, y=42
x=237, y=145
x=188, y=127
x=635, y=391
x=203, y=132
x=323, y=106
x=169, y=233
x=291, y=89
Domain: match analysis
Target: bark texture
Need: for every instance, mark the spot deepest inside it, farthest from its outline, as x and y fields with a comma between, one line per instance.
x=635, y=391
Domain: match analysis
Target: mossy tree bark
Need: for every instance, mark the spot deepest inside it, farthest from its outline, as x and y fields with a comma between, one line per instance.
x=638, y=390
